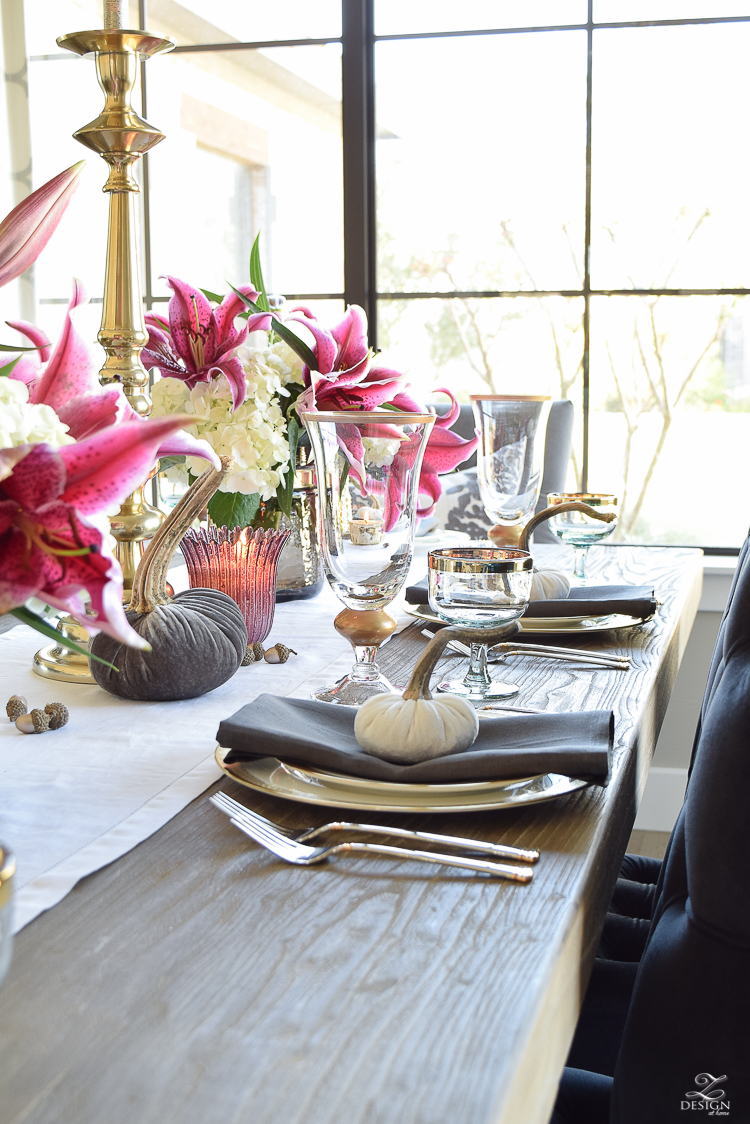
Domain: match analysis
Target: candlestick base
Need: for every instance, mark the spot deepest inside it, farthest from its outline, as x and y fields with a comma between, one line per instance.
x=55, y=661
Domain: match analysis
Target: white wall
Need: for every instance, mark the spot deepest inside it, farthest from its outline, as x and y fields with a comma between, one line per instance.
x=665, y=789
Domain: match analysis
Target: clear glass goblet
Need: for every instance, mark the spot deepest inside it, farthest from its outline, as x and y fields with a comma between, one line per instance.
x=479, y=587
x=579, y=530
x=510, y=456
x=367, y=467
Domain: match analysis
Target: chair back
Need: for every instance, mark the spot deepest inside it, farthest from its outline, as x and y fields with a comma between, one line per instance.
x=688, y=1019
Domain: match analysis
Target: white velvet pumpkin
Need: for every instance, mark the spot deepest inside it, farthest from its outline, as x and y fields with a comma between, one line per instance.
x=548, y=584
x=410, y=730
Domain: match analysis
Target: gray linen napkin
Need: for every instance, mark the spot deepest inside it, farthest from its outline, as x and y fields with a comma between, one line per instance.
x=582, y=601
x=513, y=745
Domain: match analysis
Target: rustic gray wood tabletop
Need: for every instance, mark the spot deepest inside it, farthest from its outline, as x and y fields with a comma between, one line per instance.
x=199, y=979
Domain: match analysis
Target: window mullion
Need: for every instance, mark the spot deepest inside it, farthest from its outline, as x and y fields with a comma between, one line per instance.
x=358, y=124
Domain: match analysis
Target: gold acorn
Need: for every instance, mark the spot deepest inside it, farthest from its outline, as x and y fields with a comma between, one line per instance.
x=279, y=653
x=34, y=723
x=16, y=706
x=58, y=715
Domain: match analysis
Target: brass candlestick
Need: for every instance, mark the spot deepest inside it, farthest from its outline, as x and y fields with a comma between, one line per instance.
x=120, y=137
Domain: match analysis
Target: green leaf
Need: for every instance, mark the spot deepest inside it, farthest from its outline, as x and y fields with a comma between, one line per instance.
x=233, y=509
x=41, y=625
x=285, y=491
x=217, y=298
x=288, y=336
x=344, y=478
x=256, y=277
x=9, y=366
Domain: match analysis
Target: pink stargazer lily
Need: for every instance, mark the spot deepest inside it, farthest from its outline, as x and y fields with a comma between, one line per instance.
x=345, y=378
x=48, y=546
x=28, y=228
x=195, y=344
x=445, y=451
x=67, y=380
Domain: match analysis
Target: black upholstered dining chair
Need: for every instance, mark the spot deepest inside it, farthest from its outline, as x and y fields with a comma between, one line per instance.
x=664, y=1028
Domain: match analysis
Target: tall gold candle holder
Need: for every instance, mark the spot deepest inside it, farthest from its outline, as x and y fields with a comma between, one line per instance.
x=120, y=136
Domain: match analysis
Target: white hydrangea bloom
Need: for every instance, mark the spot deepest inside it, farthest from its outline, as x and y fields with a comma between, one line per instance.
x=22, y=423
x=254, y=434
x=380, y=451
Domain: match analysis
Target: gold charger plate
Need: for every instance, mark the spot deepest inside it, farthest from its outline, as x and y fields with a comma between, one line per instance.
x=267, y=774
x=536, y=625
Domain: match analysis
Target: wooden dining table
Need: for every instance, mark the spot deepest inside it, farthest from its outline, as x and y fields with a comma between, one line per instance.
x=199, y=979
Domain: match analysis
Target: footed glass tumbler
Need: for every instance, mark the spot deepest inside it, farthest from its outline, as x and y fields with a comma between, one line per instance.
x=479, y=587
x=579, y=530
x=367, y=466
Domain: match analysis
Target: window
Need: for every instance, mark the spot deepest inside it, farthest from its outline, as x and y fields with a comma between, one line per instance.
x=525, y=195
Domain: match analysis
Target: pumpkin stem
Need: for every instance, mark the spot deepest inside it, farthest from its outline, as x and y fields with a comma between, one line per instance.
x=149, y=583
x=419, y=684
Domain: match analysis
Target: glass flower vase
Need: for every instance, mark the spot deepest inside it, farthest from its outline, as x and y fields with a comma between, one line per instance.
x=300, y=572
x=241, y=563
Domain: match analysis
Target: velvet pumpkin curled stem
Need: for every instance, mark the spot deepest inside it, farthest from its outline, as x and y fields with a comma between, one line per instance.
x=149, y=583
x=419, y=684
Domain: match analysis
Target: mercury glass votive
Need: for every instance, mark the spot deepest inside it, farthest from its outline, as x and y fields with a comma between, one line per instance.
x=241, y=563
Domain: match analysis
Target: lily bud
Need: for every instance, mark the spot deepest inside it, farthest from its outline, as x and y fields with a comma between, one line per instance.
x=28, y=228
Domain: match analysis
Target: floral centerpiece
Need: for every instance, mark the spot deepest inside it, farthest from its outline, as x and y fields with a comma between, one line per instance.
x=70, y=451
x=246, y=400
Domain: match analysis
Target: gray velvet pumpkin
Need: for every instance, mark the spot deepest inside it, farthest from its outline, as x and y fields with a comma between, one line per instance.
x=198, y=638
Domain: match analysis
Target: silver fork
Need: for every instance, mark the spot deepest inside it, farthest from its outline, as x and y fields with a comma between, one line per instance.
x=500, y=850
x=302, y=855
x=498, y=652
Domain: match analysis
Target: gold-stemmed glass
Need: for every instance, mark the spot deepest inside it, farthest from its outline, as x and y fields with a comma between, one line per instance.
x=479, y=587
x=580, y=530
x=7, y=870
x=367, y=466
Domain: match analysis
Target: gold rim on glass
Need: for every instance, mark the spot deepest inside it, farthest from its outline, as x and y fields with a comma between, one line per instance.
x=479, y=560
x=368, y=417
x=593, y=499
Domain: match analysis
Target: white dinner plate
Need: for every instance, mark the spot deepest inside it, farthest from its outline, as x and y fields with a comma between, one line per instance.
x=308, y=786
x=532, y=625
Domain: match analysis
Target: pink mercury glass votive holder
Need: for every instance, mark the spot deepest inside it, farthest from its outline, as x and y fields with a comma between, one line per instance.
x=241, y=563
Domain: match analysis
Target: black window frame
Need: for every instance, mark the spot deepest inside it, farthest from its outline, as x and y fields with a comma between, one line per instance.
x=358, y=43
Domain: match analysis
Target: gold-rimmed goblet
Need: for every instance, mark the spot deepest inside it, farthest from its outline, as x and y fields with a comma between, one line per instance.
x=367, y=466
x=580, y=530
x=479, y=587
